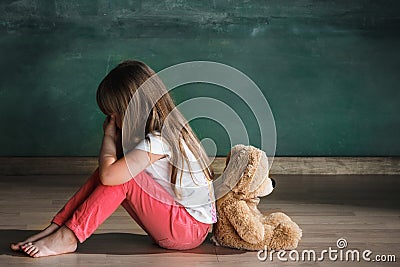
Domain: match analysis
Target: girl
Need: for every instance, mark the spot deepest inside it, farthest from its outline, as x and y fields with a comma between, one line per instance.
x=155, y=181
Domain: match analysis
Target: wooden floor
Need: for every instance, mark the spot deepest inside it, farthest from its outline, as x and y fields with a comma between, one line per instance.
x=362, y=209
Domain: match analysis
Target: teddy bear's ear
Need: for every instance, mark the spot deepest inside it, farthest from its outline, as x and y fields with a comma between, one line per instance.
x=236, y=164
x=261, y=172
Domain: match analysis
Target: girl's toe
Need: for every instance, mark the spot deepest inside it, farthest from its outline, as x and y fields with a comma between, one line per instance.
x=36, y=255
x=25, y=245
x=29, y=249
x=34, y=252
x=15, y=246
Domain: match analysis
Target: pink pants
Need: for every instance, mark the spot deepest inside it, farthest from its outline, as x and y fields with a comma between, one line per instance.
x=169, y=225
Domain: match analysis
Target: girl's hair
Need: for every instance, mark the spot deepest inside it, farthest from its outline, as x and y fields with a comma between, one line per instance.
x=120, y=87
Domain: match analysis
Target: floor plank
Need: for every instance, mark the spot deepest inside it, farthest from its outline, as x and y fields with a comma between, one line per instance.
x=362, y=209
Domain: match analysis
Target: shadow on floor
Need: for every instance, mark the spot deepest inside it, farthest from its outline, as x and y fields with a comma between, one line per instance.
x=113, y=244
x=380, y=191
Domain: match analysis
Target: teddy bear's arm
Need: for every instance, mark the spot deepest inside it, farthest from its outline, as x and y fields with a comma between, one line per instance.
x=248, y=227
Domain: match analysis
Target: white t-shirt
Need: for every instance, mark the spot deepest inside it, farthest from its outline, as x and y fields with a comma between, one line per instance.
x=195, y=192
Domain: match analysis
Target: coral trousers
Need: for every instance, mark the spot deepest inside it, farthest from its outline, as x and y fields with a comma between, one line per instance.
x=167, y=223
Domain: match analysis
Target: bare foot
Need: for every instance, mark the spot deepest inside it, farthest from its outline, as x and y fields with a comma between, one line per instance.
x=60, y=242
x=49, y=230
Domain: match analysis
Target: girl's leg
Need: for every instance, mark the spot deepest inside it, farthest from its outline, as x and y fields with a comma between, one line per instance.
x=168, y=223
x=98, y=206
x=66, y=212
x=47, y=231
x=77, y=199
x=103, y=201
x=132, y=213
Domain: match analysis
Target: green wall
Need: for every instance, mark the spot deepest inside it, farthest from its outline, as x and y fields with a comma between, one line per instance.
x=329, y=69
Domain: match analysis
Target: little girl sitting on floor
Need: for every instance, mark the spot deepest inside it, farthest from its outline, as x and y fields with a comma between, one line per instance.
x=163, y=181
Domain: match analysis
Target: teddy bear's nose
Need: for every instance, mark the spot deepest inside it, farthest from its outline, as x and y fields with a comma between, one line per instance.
x=273, y=182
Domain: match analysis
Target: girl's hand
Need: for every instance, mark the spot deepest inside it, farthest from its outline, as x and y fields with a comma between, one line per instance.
x=118, y=143
x=109, y=127
x=108, y=151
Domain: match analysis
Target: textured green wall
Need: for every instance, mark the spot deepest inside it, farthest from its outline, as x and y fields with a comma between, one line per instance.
x=329, y=69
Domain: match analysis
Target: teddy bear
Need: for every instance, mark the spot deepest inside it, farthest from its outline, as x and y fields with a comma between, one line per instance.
x=240, y=224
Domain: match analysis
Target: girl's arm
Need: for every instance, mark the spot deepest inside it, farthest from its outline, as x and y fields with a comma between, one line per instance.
x=114, y=171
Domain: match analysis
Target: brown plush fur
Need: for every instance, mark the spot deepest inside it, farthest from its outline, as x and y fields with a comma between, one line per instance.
x=240, y=224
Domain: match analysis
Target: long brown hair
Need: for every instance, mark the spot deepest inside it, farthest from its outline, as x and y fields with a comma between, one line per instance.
x=119, y=89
